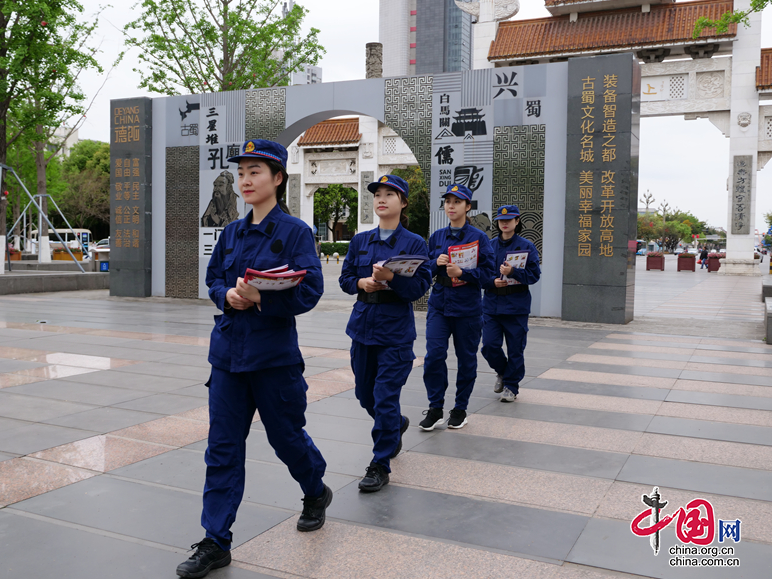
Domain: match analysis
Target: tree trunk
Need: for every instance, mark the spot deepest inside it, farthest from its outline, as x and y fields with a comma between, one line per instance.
x=44, y=250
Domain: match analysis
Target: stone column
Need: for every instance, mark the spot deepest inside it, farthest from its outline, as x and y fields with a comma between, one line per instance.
x=483, y=33
x=374, y=60
x=743, y=148
x=368, y=172
x=395, y=36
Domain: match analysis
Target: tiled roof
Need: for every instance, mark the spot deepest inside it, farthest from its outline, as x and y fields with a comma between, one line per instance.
x=764, y=72
x=549, y=3
x=332, y=132
x=665, y=24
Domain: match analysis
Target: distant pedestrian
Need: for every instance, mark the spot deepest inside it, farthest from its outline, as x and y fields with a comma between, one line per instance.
x=507, y=304
x=703, y=258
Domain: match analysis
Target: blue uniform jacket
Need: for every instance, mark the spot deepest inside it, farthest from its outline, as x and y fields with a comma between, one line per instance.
x=252, y=339
x=463, y=300
x=389, y=323
x=513, y=304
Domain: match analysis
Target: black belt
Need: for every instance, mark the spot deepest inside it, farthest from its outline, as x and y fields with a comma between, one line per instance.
x=379, y=297
x=444, y=280
x=510, y=289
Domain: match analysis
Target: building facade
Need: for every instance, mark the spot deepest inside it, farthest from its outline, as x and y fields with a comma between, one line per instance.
x=424, y=37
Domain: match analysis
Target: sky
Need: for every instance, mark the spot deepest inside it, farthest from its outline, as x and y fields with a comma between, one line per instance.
x=683, y=163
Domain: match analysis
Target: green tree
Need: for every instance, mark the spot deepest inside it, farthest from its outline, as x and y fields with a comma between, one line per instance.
x=331, y=204
x=649, y=227
x=29, y=43
x=219, y=45
x=727, y=18
x=673, y=233
x=86, y=201
x=419, y=202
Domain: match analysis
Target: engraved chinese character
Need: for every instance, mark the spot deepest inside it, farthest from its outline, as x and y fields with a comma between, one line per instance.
x=585, y=250
x=585, y=177
x=587, y=126
x=588, y=97
x=608, y=155
x=585, y=192
x=121, y=135
x=587, y=156
x=585, y=221
x=608, y=191
x=119, y=172
x=609, y=111
x=606, y=236
x=585, y=205
x=606, y=205
x=610, y=80
x=588, y=83
x=533, y=109
x=610, y=96
x=609, y=126
x=607, y=176
x=584, y=235
x=606, y=222
x=587, y=111
x=606, y=250
x=133, y=135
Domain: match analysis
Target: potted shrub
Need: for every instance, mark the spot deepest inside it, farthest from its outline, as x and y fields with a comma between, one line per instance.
x=60, y=254
x=655, y=260
x=713, y=261
x=686, y=261
x=15, y=254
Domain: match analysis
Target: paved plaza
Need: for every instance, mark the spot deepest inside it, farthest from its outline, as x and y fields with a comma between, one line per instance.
x=103, y=425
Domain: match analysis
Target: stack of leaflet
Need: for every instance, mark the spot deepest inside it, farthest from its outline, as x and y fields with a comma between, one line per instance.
x=278, y=278
x=404, y=265
x=517, y=260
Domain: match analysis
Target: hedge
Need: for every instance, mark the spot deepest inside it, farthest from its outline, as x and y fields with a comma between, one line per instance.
x=329, y=247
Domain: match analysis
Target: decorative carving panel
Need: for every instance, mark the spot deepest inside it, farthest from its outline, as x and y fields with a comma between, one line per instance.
x=181, y=221
x=710, y=85
x=518, y=175
x=266, y=111
x=293, y=195
x=365, y=198
x=409, y=113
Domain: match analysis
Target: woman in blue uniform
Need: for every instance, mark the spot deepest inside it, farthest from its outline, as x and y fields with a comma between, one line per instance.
x=382, y=326
x=454, y=311
x=506, y=307
x=256, y=362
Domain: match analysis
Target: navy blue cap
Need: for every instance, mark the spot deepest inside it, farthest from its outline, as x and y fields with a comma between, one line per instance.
x=257, y=148
x=507, y=212
x=460, y=191
x=391, y=181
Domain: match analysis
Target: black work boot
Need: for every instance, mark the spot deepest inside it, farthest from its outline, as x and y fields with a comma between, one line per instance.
x=208, y=556
x=314, y=511
x=375, y=477
x=405, y=424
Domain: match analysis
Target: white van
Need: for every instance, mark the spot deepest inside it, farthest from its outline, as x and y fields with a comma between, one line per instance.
x=84, y=235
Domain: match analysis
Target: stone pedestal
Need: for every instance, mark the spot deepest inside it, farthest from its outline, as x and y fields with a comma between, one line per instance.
x=747, y=267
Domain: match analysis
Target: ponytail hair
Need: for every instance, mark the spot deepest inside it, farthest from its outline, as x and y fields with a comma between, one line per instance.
x=281, y=190
x=403, y=218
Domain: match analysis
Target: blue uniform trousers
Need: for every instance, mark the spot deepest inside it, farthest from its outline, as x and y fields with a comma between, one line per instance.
x=515, y=330
x=380, y=373
x=466, y=339
x=279, y=395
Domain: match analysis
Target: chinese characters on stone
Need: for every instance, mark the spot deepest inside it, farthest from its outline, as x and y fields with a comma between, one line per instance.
x=127, y=202
x=587, y=177
x=126, y=124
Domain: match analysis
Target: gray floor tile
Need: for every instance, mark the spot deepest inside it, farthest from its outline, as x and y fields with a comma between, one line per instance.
x=329, y=363
x=188, y=360
x=709, y=478
x=266, y=484
x=104, y=420
x=636, y=392
x=5, y=456
x=76, y=392
x=615, y=369
x=609, y=544
x=73, y=553
x=515, y=529
x=534, y=455
x=711, y=430
x=161, y=515
x=198, y=373
x=8, y=366
x=728, y=400
x=34, y=437
x=198, y=391
x=707, y=360
x=602, y=419
x=133, y=381
x=726, y=377
x=311, y=370
x=36, y=409
x=163, y=404
x=6, y=423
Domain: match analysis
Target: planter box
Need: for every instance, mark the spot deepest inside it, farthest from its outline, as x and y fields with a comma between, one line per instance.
x=714, y=264
x=655, y=263
x=16, y=256
x=686, y=263
x=64, y=256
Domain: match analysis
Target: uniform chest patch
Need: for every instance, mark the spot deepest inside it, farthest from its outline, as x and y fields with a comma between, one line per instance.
x=277, y=246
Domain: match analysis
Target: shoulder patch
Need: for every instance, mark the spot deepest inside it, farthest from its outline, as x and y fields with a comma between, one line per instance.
x=277, y=246
x=270, y=227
